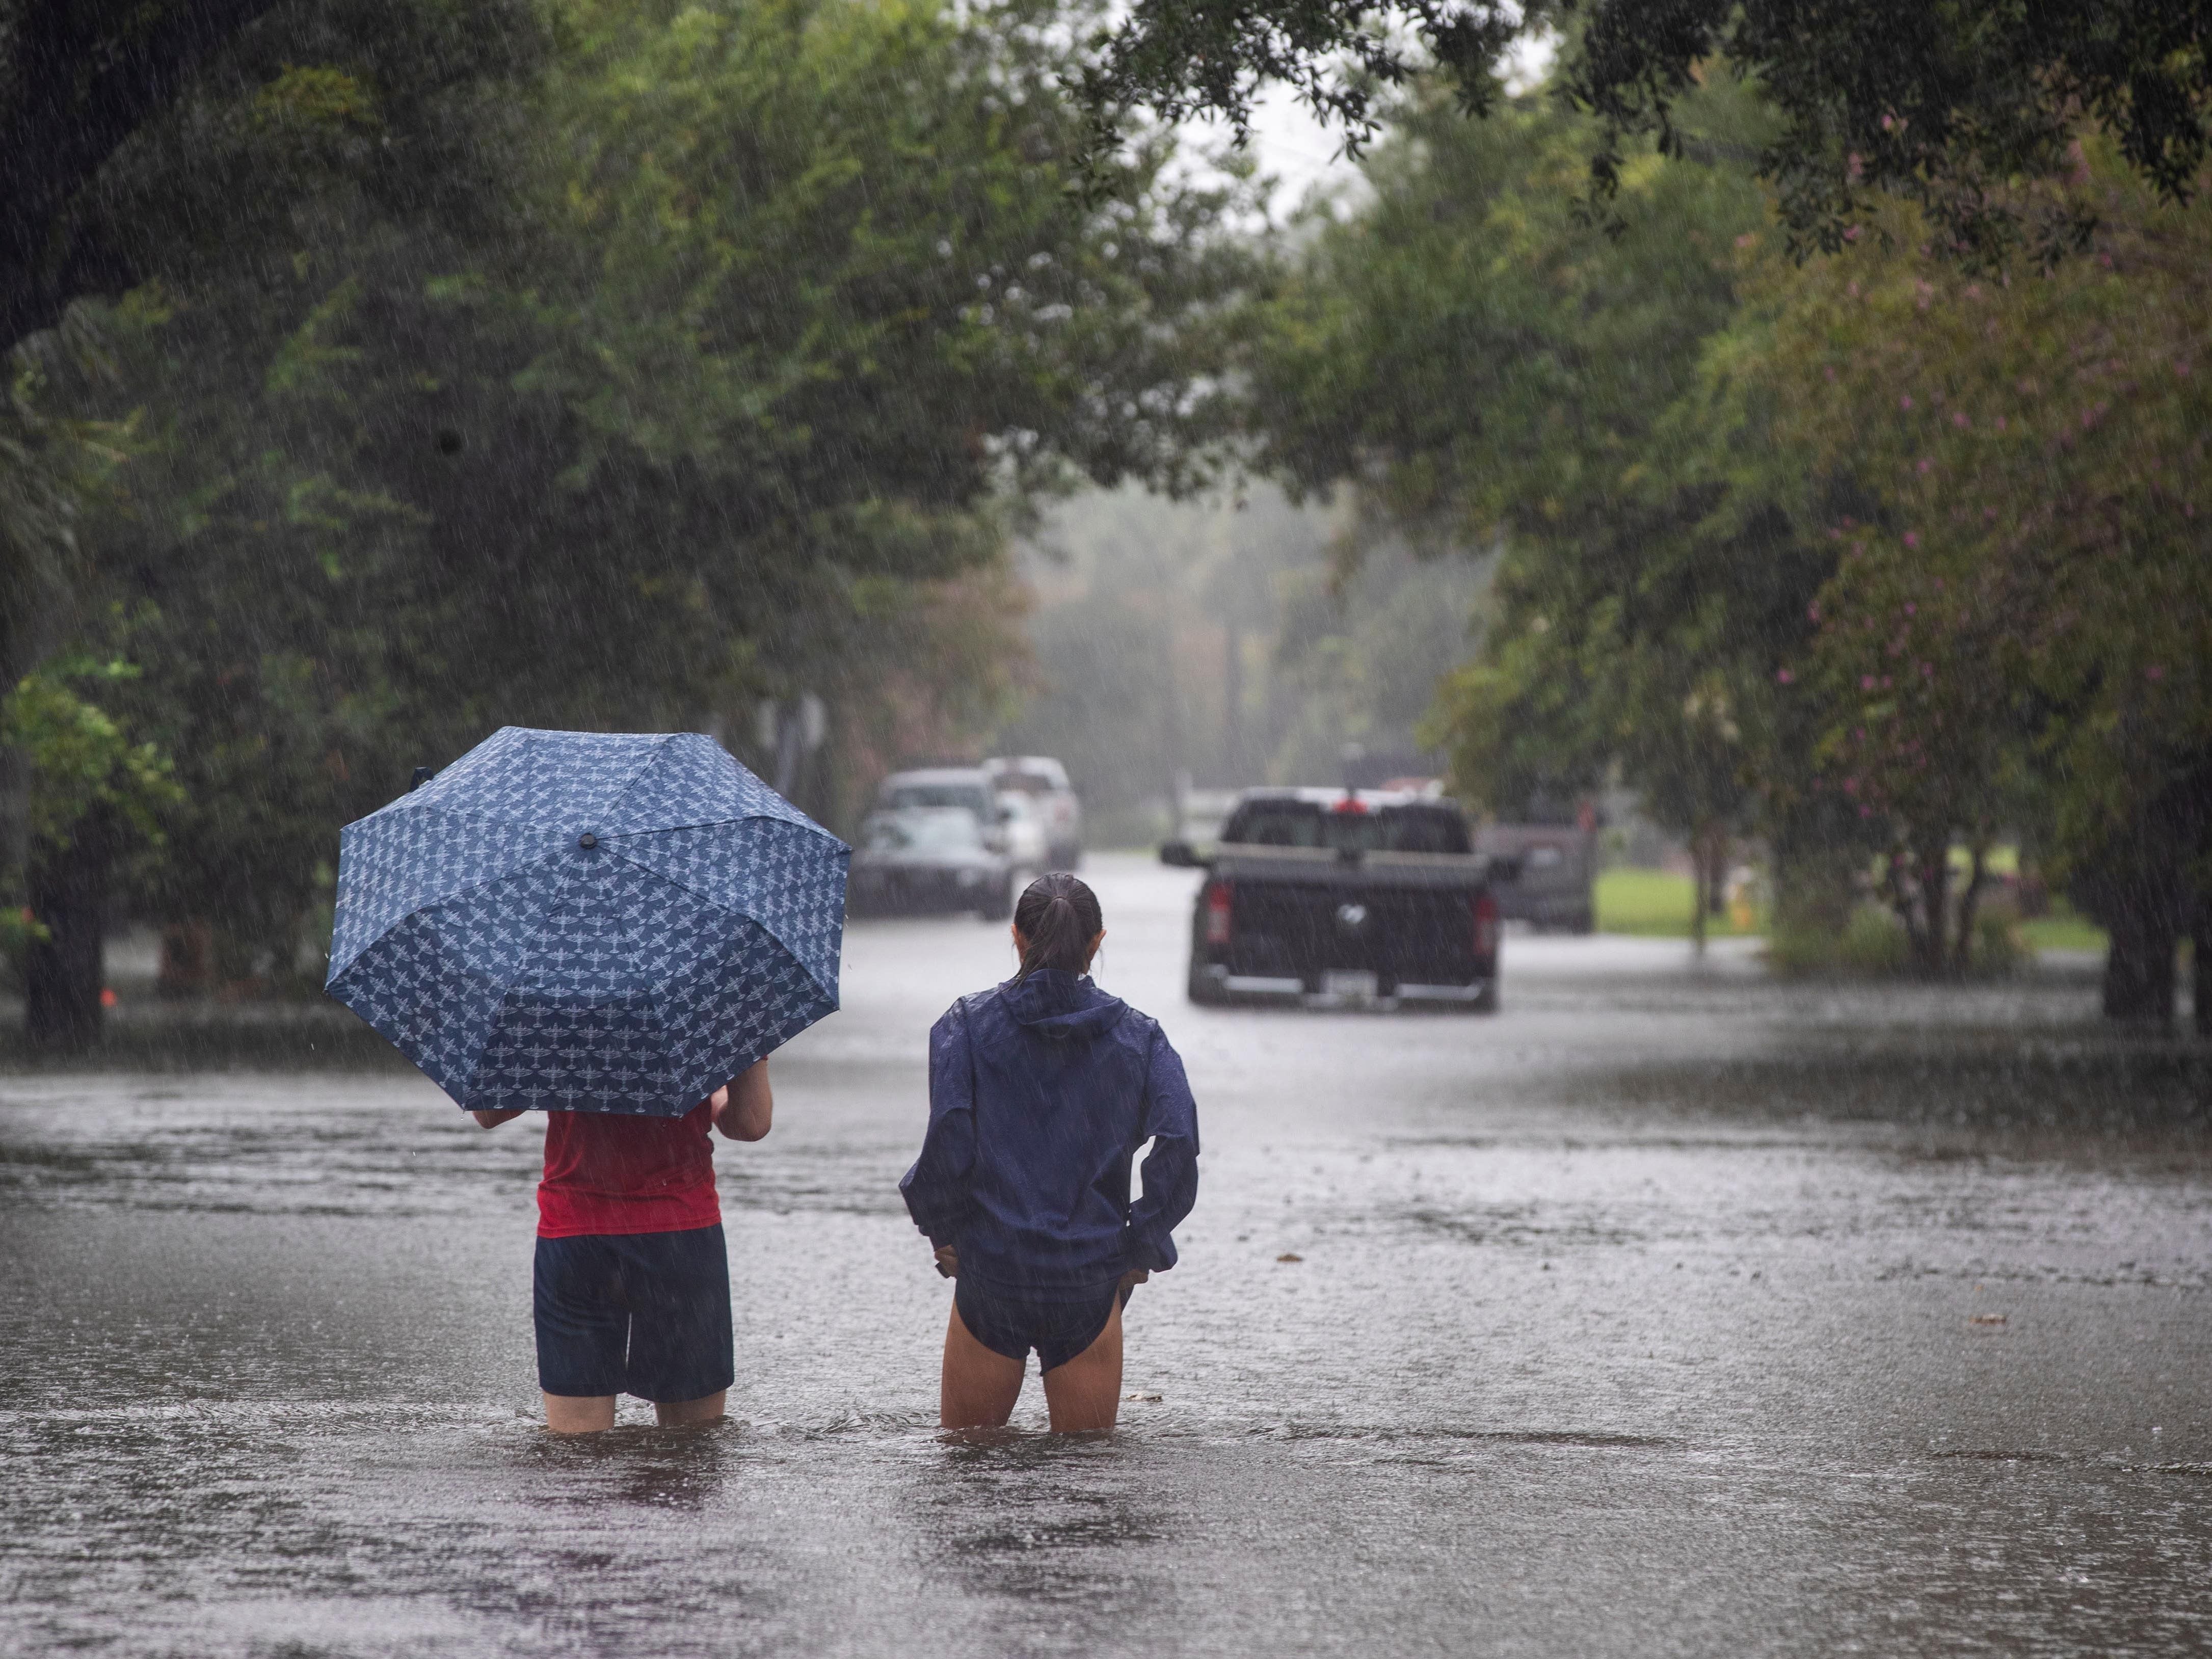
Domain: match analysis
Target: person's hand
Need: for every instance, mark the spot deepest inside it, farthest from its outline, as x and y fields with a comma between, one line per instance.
x=948, y=1262
x=1134, y=1276
x=493, y=1120
x=745, y=1106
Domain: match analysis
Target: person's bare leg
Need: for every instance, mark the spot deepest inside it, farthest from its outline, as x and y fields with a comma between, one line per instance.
x=979, y=1387
x=1085, y=1395
x=689, y=1413
x=580, y=1413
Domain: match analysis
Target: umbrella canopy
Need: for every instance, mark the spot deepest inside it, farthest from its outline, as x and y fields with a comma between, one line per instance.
x=588, y=921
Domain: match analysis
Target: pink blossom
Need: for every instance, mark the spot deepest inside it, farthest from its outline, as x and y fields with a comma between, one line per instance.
x=1905, y=402
x=1927, y=670
x=2154, y=673
x=1911, y=609
x=1973, y=290
x=1866, y=682
x=1885, y=682
x=1960, y=420
x=1850, y=785
x=1851, y=288
x=1851, y=235
x=1925, y=464
x=1866, y=812
x=2181, y=368
x=1912, y=538
x=1939, y=584
x=1834, y=534
x=1813, y=611
x=1989, y=513
x=1784, y=677
x=2001, y=423
x=1831, y=372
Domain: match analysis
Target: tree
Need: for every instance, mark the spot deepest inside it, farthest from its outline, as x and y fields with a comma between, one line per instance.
x=1489, y=369
x=95, y=796
x=1941, y=105
x=707, y=363
x=2019, y=633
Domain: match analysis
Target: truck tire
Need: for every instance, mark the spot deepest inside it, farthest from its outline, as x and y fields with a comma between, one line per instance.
x=1202, y=991
x=1487, y=1002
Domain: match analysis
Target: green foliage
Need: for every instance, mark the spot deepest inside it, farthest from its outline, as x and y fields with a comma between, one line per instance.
x=1941, y=103
x=1491, y=368
x=2031, y=596
x=593, y=365
x=79, y=758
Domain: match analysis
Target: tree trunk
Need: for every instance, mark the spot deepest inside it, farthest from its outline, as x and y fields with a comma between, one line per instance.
x=1701, y=839
x=1933, y=876
x=2139, y=964
x=1962, y=947
x=62, y=976
x=2200, y=972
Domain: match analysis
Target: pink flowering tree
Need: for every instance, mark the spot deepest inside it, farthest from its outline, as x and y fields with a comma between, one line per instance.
x=2027, y=626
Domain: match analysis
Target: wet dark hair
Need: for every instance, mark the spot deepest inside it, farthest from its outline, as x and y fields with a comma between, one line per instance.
x=1059, y=916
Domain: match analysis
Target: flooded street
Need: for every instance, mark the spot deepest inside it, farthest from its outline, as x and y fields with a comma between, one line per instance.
x=1672, y=1310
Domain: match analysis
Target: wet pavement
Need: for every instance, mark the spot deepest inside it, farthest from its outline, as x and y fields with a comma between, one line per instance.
x=1672, y=1310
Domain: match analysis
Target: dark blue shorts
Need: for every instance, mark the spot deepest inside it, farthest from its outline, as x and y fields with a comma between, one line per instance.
x=1011, y=1325
x=646, y=1314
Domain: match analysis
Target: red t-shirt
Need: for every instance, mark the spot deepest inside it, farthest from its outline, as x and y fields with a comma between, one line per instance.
x=612, y=1172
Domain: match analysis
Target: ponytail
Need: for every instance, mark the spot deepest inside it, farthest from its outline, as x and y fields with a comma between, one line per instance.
x=1059, y=916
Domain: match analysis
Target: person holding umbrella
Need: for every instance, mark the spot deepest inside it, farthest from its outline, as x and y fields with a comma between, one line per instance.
x=1041, y=1092
x=615, y=930
x=630, y=1291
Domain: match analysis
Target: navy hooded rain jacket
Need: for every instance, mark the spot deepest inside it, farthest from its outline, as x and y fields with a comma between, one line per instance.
x=1041, y=1091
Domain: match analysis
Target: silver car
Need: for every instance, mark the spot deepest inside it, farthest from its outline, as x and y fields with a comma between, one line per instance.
x=1044, y=780
x=922, y=858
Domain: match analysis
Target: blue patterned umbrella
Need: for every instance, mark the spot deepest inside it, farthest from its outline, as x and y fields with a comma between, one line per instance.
x=588, y=921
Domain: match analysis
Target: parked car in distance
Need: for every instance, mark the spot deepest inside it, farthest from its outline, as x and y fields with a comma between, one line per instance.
x=1370, y=892
x=1556, y=886
x=918, y=860
x=967, y=786
x=1044, y=780
x=1028, y=848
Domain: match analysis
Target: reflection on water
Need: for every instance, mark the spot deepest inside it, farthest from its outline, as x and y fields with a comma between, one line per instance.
x=1671, y=1311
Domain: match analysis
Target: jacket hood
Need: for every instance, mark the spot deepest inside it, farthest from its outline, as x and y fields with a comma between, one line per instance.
x=1055, y=1004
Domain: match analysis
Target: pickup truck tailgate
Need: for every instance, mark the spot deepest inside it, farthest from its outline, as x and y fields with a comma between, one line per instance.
x=1302, y=912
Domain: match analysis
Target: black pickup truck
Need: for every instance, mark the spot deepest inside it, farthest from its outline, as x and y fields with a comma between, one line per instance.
x=1316, y=891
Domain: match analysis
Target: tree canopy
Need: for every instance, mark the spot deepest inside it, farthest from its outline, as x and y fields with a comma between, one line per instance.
x=1870, y=553
x=622, y=368
x=1944, y=105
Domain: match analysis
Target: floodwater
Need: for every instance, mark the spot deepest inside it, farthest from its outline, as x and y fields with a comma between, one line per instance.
x=1670, y=1311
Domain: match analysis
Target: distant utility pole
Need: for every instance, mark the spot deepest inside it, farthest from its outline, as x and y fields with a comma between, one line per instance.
x=790, y=730
x=1232, y=704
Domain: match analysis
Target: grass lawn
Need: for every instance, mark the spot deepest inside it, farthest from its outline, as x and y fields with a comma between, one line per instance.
x=1656, y=905
x=2063, y=929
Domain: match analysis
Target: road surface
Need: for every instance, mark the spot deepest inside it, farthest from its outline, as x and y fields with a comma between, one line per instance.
x=1670, y=1311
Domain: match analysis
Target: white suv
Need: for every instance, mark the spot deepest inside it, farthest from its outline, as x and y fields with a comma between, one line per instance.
x=1044, y=780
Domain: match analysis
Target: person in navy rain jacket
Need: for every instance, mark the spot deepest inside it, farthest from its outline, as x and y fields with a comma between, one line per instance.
x=1041, y=1091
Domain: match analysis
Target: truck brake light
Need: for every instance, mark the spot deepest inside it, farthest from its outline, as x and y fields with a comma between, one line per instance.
x=1486, y=925
x=1218, y=894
